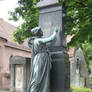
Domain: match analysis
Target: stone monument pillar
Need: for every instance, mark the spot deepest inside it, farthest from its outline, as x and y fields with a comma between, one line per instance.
x=51, y=15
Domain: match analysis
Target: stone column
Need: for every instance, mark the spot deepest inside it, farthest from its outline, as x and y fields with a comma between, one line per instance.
x=24, y=78
x=51, y=15
x=12, y=81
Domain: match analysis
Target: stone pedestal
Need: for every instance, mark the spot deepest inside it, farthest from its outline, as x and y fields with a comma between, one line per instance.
x=51, y=15
x=60, y=72
x=20, y=73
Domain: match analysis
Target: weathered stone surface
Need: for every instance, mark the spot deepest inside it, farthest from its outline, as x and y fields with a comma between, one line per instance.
x=81, y=78
x=51, y=16
x=20, y=73
x=47, y=3
x=7, y=49
x=60, y=72
x=19, y=77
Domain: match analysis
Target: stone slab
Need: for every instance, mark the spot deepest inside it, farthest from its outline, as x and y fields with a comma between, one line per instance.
x=45, y=3
x=20, y=73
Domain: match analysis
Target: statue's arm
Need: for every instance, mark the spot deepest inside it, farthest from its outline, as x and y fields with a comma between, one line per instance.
x=29, y=42
x=52, y=37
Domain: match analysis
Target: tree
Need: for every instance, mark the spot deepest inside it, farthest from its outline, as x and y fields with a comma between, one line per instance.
x=29, y=13
x=78, y=19
x=87, y=49
x=79, y=24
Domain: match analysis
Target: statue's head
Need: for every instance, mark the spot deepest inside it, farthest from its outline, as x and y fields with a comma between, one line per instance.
x=37, y=31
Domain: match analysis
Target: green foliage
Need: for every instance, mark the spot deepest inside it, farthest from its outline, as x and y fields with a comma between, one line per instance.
x=79, y=24
x=12, y=91
x=91, y=80
x=81, y=89
x=60, y=1
x=29, y=13
x=79, y=21
x=87, y=49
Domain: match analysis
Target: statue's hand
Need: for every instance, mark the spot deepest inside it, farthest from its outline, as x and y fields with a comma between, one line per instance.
x=56, y=29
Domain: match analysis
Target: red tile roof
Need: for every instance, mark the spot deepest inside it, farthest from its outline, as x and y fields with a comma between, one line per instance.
x=6, y=31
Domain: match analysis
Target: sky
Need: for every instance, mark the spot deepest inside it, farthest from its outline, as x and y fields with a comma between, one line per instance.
x=8, y=5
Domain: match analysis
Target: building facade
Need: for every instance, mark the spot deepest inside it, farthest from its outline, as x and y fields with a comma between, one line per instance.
x=8, y=48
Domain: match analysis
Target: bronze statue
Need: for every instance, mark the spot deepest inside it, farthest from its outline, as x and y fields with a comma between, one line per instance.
x=41, y=61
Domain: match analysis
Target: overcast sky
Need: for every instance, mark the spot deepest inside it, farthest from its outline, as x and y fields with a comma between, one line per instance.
x=5, y=6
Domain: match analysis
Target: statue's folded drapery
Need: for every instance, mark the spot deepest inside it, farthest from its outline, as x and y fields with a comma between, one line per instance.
x=41, y=65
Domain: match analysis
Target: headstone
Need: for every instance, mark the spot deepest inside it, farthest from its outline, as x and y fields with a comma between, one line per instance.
x=20, y=73
x=79, y=71
x=51, y=15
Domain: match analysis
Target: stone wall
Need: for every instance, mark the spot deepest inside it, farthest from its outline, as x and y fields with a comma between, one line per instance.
x=20, y=73
x=8, y=50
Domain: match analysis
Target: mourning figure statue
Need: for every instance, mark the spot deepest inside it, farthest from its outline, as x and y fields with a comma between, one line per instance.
x=41, y=61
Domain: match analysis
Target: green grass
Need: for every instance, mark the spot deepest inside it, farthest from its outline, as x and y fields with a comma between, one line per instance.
x=73, y=89
x=4, y=91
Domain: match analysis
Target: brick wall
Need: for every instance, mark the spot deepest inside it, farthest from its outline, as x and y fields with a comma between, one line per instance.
x=7, y=49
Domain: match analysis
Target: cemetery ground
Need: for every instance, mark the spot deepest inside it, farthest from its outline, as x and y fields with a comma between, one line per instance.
x=72, y=90
x=4, y=91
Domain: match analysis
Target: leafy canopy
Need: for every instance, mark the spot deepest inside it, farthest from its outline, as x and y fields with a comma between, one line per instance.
x=78, y=19
x=28, y=11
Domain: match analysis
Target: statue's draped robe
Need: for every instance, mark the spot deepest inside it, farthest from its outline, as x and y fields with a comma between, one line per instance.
x=40, y=68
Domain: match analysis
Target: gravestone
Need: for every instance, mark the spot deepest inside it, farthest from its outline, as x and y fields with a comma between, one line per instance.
x=20, y=73
x=51, y=15
x=79, y=71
